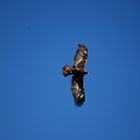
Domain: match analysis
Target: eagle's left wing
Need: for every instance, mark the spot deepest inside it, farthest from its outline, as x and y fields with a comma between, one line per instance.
x=77, y=89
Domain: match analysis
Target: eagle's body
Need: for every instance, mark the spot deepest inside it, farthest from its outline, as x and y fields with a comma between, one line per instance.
x=78, y=72
x=72, y=70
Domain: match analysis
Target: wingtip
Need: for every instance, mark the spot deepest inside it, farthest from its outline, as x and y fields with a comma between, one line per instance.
x=80, y=102
x=82, y=45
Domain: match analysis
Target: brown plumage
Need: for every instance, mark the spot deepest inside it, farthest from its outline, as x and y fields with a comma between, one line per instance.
x=78, y=72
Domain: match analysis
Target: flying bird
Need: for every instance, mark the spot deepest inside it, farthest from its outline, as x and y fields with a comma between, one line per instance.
x=77, y=71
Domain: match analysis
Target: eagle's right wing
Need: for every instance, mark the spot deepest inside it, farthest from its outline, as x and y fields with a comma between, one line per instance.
x=81, y=57
x=78, y=90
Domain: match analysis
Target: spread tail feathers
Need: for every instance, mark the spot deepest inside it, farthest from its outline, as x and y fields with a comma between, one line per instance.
x=67, y=70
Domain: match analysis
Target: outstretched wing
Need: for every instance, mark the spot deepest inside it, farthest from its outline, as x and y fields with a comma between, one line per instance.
x=77, y=89
x=81, y=57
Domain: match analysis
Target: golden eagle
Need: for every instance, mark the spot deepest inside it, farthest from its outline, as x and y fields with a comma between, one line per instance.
x=78, y=72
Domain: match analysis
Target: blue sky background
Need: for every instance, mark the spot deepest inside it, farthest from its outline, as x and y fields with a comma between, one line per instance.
x=37, y=38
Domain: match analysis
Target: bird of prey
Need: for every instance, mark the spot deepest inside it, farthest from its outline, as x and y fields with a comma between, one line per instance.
x=77, y=71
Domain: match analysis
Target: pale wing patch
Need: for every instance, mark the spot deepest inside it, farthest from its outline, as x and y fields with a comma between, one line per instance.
x=80, y=57
x=78, y=90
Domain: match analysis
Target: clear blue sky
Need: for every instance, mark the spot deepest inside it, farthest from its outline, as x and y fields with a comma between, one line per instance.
x=37, y=38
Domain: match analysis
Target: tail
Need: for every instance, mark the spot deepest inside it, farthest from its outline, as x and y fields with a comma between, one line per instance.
x=67, y=70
